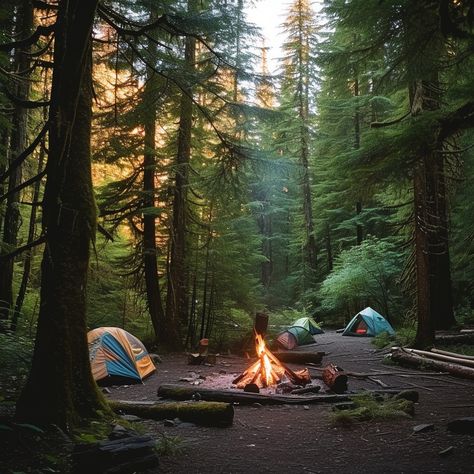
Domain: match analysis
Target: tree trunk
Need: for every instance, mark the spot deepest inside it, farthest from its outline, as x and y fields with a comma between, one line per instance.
x=359, y=231
x=177, y=299
x=440, y=279
x=150, y=251
x=425, y=329
x=60, y=370
x=18, y=140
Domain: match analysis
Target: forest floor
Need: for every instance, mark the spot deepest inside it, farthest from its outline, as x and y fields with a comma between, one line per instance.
x=304, y=438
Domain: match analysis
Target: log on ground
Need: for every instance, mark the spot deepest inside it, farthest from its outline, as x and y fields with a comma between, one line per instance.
x=457, y=370
x=181, y=392
x=299, y=357
x=199, y=412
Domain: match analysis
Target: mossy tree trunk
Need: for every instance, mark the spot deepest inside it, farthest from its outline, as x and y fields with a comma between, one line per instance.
x=60, y=388
x=18, y=140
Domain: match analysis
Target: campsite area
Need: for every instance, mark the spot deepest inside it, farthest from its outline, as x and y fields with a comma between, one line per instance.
x=302, y=438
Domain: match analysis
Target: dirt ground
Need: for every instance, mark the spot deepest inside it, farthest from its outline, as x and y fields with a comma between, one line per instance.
x=303, y=438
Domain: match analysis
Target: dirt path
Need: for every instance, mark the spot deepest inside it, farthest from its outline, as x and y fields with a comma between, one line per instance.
x=302, y=439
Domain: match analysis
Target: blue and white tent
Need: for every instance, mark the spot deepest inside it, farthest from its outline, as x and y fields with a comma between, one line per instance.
x=368, y=323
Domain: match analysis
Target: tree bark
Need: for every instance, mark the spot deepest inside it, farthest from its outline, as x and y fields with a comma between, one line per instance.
x=177, y=294
x=18, y=140
x=150, y=250
x=60, y=369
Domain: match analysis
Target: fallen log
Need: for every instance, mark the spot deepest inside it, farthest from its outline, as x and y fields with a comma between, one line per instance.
x=180, y=392
x=462, y=338
x=435, y=355
x=198, y=412
x=457, y=370
x=452, y=354
x=299, y=357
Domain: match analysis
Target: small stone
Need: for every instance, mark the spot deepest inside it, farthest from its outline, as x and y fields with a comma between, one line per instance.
x=462, y=425
x=130, y=418
x=423, y=427
x=106, y=390
x=169, y=423
x=119, y=432
x=257, y=405
x=222, y=372
x=306, y=407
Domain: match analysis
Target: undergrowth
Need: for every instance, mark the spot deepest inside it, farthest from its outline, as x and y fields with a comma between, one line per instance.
x=367, y=408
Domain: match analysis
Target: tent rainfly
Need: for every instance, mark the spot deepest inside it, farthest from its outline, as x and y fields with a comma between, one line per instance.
x=310, y=324
x=368, y=323
x=116, y=356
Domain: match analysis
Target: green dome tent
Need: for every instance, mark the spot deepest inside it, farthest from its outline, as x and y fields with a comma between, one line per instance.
x=294, y=336
x=310, y=324
x=368, y=323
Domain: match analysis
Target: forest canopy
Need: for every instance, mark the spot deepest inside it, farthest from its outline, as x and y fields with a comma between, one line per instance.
x=155, y=176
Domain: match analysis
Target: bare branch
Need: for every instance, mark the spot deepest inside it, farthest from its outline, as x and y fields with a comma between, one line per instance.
x=8, y=256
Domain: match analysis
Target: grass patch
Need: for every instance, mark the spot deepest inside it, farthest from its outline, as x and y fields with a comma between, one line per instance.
x=404, y=337
x=367, y=408
x=169, y=445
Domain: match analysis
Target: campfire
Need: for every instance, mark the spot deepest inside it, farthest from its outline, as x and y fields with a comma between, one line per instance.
x=268, y=371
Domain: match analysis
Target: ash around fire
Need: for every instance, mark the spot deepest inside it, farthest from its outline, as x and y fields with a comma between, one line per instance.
x=223, y=381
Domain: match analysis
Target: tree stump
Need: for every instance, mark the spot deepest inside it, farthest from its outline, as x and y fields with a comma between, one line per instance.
x=335, y=378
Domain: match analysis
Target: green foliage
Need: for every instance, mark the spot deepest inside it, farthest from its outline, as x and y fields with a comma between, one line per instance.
x=364, y=275
x=15, y=359
x=404, y=337
x=169, y=445
x=368, y=408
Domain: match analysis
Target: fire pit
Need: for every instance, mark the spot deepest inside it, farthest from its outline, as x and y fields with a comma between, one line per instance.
x=268, y=371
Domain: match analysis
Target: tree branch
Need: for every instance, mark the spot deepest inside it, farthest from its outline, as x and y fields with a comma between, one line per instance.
x=391, y=122
x=23, y=185
x=41, y=30
x=8, y=256
x=25, y=153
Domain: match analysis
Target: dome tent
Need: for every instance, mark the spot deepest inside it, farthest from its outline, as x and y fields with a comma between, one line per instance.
x=368, y=323
x=116, y=356
x=310, y=324
x=294, y=336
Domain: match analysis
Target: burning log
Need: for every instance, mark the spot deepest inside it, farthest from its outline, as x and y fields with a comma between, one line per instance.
x=335, y=378
x=268, y=370
x=211, y=413
x=300, y=357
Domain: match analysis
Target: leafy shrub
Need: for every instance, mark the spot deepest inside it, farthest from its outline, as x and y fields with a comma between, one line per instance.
x=15, y=360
